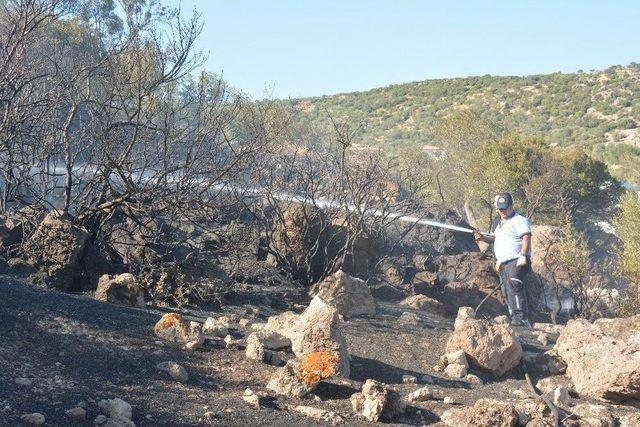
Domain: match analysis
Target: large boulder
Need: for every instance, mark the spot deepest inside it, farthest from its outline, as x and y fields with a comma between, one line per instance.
x=349, y=295
x=377, y=401
x=489, y=347
x=121, y=289
x=56, y=249
x=317, y=329
x=603, y=358
x=485, y=412
x=467, y=279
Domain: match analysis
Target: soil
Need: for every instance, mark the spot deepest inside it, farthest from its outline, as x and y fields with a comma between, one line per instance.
x=76, y=349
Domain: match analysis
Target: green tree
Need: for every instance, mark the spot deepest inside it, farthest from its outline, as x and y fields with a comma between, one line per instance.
x=628, y=230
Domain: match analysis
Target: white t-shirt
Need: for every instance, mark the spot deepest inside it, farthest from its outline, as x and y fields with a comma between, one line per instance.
x=508, y=237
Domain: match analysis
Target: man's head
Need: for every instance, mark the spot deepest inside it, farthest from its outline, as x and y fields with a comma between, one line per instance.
x=504, y=205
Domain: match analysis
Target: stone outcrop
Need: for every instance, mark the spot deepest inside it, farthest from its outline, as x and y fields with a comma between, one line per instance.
x=56, y=248
x=485, y=412
x=603, y=358
x=349, y=295
x=377, y=401
x=316, y=329
x=490, y=348
x=121, y=289
x=467, y=279
x=286, y=382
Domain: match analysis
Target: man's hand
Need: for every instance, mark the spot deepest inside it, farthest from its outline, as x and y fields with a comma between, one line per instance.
x=522, y=261
x=477, y=235
x=498, y=267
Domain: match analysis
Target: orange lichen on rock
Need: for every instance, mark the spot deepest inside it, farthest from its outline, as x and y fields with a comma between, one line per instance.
x=318, y=366
x=168, y=321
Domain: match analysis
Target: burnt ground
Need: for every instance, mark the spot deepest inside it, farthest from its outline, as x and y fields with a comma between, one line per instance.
x=75, y=349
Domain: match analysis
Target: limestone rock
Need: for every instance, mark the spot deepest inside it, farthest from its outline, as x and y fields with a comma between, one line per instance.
x=377, y=401
x=485, y=412
x=260, y=344
x=172, y=327
x=561, y=396
x=591, y=416
x=420, y=395
x=253, y=398
x=488, y=347
x=454, y=358
x=317, y=329
x=176, y=371
x=77, y=414
x=286, y=382
x=548, y=361
x=455, y=371
x=120, y=413
x=121, y=289
x=319, y=414
x=600, y=362
x=630, y=420
x=464, y=313
x=423, y=302
x=349, y=295
x=34, y=419
x=216, y=327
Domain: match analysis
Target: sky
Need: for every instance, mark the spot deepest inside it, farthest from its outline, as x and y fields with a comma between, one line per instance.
x=296, y=48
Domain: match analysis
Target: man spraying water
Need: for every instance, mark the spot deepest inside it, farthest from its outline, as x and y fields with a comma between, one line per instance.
x=512, y=248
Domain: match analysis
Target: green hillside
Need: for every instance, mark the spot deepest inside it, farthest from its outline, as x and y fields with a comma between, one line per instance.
x=599, y=110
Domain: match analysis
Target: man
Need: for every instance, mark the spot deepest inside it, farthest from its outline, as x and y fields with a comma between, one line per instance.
x=512, y=248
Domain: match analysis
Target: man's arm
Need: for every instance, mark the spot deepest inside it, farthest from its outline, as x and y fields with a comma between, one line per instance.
x=526, y=245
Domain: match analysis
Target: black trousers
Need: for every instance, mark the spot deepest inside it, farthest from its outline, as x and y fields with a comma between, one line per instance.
x=514, y=287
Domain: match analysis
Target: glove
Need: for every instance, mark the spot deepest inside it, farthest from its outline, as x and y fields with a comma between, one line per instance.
x=498, y=267
x=522, y=261
x=478, y=236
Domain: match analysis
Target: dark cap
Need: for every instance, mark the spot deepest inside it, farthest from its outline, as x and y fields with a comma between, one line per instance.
x=503, y=200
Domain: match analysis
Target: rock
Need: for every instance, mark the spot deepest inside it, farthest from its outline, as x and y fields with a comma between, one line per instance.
x=120, y=413
x=467, y=280
x=286, y=382
x=473, y=379
x=454, y=358
x=121, y=289
x=501, y=320
x=253, y=398
x=424, y=283
x=531, y=412
x=260, y=344
x=77, y=414
x=455, y=371
x=409, y=379
x=56, y=248
x=317, y=329
x=549, y=384
x=543, y=339
x=384, y=291
x=561, y=396
x=548, y=362
x=600, y=362
x=24, y=382
x=173, y=328
x=464, y=313
x=231, y=343
x=216, y=327
x=349, y=295
x=424, y=303
x=319, y=414
x=448, y=400
x=420, y=395
x=176, y=371
x=377, y=401
x=630, y=420
x=245, y=323
x=100, y=420
x=427, y=379
x=485, y=412
x=591, y=416
x=195, y=344
x=548, y=328
x=407, y=318
x=34, y=419
x=490, y=348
